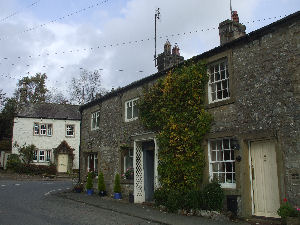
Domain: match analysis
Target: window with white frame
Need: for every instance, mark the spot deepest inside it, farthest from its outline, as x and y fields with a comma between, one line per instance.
x=49, y=129
x=70, y=129
x=218, y=86
x=95, y=120
x=35, y=156
x=92, y=163
x=222, y=162
x=36, y=129
x=42, y=129
x=128, y=160
x=41, y=155
x=48, y=155
x=131, y=110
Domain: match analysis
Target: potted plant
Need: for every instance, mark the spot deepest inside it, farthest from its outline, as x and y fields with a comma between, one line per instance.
x=124, y=146
x=89, y=184
x=101, y=185
x=290, y=214
x=128, y=174
x=117, y=187
x=78, y=188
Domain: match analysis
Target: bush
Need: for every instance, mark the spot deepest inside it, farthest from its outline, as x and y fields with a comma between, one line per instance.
x=175, y=200
x=193, y=200
x=213, y=196
x=36, y=169
x=13, y=162
x=286, y=210
x=89, y=182
x=160, y=197
x=117, y=186
x=101, y=184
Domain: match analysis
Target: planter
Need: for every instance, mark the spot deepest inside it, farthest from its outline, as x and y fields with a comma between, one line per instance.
x=117, y=196
x=102, y=193
x=131, y=198
x=78, y=190
x=293, y=221
x=90, y=191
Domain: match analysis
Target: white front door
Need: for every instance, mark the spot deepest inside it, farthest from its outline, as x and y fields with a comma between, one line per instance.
x=62, y=162
x=264, y=179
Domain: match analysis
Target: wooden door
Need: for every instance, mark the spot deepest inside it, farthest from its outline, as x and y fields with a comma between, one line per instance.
x=62, y=162
x=264, y=179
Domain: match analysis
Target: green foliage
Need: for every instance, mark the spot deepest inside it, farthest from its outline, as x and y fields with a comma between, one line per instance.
x=27, y=153
x=286, y=210
x=13, y=162
x=36, y=169
x=174, y=107
x=117, y=186
x=210, y=198
x=213, y=196
x=89, y=181
x=101, y=184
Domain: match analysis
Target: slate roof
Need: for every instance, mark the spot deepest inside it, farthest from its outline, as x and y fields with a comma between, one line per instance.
x=50, y=111
x=239, y=41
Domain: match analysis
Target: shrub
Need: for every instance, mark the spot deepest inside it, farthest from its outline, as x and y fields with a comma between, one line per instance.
x=117, y=186
x=160, y=197
x=36, y=169
x=89, y=182
x=27, y=153
x=286, y=210
x=101, y=184
x=213, y=196
x=193, y=200
x=13, y=162
x=175, y=200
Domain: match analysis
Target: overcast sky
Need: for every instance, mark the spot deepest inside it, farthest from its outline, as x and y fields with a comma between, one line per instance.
x=31, y=43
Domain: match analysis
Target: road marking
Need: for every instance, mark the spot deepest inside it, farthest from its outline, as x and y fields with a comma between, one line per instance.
x=67, y=188
x=59, y=189
x=17, y=184
x=3, y=185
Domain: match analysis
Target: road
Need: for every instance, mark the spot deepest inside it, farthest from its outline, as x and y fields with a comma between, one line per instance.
x=35, y=203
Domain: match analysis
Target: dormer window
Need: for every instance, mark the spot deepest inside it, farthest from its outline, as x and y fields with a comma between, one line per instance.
x=131, y=110
x=218, y=86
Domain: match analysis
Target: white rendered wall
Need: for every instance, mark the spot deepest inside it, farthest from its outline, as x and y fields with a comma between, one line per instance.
x=23, y=134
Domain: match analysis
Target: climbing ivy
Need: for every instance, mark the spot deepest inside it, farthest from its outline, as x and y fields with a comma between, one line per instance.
x=174, y=108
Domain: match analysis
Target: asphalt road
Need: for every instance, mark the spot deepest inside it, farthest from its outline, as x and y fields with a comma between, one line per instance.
x=35, y=203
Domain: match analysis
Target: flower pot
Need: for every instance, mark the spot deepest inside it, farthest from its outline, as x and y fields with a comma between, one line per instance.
x=90, y=191
x=78, y=190
x=293, y=221
x=131, y=198
x=102, y=193
x=117, y=196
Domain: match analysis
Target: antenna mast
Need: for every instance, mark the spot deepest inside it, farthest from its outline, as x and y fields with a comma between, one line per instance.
x=230, y=10
x=156, y=17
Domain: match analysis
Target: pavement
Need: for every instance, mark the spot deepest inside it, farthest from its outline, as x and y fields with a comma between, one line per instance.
x=142, y=211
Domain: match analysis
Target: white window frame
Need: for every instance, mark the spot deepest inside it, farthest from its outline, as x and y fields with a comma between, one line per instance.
x=211, y=162
x=41, y=155
x=49, y=129
x=95, y=120
x=132, y=103
x=48, y=156
x=43, y=131
x=35, y=156
x=215, y=83
x=36, y=128
x=126, y=156
x=69, y=129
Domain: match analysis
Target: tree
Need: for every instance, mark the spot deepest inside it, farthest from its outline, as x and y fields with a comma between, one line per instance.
x=86, y=87
x=58, y=97
x=2, y=98
x=27, y=153
x=32, y=89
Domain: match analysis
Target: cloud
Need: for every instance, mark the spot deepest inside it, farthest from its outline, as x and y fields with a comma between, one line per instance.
x=113, y=23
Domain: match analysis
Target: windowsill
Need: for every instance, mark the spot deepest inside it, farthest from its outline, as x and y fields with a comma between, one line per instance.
x=69, y=136
x=219, y=103
x=97, y=128
x=130, y=120
x=127, y=181
x=228, y=186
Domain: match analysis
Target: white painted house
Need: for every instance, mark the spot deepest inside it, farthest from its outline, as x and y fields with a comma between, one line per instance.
x=47, y=126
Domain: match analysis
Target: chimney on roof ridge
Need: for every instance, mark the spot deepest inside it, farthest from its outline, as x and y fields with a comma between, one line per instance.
x=166, y=60
x=230, y=30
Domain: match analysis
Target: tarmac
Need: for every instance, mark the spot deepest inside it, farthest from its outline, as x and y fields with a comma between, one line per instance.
x=143, y=211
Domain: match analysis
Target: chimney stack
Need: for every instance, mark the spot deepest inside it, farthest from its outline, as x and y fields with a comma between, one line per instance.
x=230, y=30
x=166, y=60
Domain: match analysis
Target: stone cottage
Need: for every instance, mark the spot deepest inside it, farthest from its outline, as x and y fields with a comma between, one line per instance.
x=55, y=131
x=253, y=147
